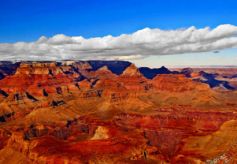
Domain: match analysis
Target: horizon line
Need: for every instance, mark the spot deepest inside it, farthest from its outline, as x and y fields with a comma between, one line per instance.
x=168, y=66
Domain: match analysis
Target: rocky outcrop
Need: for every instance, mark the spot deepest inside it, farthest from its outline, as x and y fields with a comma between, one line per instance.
x=131, y=70
x=101, y=133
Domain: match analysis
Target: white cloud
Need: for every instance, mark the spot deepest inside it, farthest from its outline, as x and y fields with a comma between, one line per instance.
x=140, y=44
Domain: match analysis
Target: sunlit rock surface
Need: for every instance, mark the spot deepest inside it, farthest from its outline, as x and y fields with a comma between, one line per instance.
x=115, y=112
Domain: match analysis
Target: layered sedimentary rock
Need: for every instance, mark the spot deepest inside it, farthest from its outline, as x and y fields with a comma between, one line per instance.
x=114, y=112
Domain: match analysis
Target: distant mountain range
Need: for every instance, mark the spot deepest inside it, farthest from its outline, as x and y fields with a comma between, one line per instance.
x=117, y=67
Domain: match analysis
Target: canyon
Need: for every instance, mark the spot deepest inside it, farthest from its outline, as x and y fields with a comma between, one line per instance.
x=114, y=112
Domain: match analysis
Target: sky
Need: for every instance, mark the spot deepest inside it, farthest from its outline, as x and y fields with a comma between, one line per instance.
x=149, y=33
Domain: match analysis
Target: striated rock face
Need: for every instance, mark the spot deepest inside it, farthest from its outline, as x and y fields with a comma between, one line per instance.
x=114, y=112
x=216, y=78
x=177, y=83
x=38, y=69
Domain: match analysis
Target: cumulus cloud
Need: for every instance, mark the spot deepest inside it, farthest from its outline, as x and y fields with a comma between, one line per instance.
x=140, y=44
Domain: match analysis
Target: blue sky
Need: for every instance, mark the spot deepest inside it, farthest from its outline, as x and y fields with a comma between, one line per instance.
x=27, y=20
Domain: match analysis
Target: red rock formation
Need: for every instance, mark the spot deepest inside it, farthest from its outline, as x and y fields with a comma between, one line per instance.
x=70, y=113
x=132, y=70
x=177, y=83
